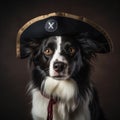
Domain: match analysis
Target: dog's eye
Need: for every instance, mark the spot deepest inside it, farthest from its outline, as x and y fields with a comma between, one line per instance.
x=48, y=52
x=71, y=50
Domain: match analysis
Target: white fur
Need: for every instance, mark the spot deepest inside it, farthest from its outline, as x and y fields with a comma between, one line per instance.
x=39, y=105
x=59, y=58
x=68, y=108
x=65, y=90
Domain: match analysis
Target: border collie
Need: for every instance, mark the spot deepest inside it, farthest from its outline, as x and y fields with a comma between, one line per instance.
x=61, y=87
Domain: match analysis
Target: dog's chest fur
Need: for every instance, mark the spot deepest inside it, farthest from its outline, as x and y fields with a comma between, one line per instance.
x=40, y=104
x=68, y=108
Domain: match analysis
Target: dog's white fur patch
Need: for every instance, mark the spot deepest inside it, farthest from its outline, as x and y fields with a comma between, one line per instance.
x=39, y=105
x=59, y=58
x=65, y=90
x=68, y=108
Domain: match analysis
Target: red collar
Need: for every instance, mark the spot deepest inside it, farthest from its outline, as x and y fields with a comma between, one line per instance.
x=50, y=109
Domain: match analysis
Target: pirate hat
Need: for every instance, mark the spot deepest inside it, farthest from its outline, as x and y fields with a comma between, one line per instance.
x=55, y=24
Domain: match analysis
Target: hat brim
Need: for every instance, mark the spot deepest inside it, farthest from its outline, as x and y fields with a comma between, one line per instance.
x=68, y=24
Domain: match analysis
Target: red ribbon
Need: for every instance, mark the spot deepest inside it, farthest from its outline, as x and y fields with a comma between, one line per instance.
x=50, y=109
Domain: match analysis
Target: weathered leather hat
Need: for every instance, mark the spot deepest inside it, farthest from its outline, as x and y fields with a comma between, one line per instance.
x=55, y=24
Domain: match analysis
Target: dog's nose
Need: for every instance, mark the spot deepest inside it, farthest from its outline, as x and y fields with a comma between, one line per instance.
x=59, y=66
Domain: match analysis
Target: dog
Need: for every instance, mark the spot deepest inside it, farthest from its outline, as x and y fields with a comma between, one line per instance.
x=61, y=71
x=61, y=88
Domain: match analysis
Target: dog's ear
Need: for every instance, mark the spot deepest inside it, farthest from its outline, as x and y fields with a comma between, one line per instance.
x=91, y=45
x=28, y=47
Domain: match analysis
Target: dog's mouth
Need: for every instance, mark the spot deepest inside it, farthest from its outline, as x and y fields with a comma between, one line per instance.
x=59, y=75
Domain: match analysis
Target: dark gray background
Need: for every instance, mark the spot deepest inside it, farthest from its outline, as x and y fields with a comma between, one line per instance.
x=15, y=103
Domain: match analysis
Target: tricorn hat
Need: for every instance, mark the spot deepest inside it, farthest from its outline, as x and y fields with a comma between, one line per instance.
x=55, y=24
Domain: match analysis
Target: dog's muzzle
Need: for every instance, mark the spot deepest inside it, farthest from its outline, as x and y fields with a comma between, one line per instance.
x=59, y=66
